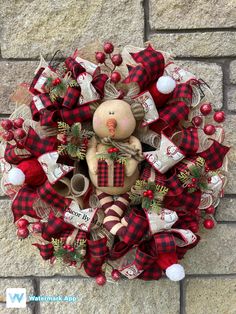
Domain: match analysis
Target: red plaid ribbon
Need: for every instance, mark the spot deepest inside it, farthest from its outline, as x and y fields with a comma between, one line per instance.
x=164, y=242
x=53, y=112
x=37, y=146
x=150, y=67
x=97, y=252
x=55, y=227
x=189, y=141
x=137, y=227
x=23, y=203
x=170, y=180
x=46, y=250
x=119, y=173
x=71, y=97
x=177, y=108
x=187, y=221
x=11, y=157
x=186, y=201
x=214, y=155
x=47, y=193
x=73, y=66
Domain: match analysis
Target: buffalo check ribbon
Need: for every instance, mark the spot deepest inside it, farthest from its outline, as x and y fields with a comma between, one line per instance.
x=23, y=203
x=37, y=146
x=46, y=250
x=55, y=227
x=49, y=112
x=214, y=155
x=14, y=155
x=97, y=251
x=149, y=68
x=48, y=194
x=114, y=170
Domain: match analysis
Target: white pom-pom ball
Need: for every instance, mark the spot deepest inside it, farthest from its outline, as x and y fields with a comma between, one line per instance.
x=175, y=272
x=16, y=176
x=166, y=84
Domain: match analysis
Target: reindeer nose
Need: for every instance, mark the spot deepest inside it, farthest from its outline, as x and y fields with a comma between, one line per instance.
x=111, y=124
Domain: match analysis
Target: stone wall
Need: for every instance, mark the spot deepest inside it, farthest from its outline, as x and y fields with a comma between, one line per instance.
x=202, y=34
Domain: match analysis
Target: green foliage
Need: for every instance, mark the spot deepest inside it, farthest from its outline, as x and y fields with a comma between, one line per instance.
x=67, y=256
x=63, y=127
x=76, y=130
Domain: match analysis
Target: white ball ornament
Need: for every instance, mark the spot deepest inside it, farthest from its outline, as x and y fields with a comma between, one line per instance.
x=165, y=84
x=16, y=176
x=175, y=272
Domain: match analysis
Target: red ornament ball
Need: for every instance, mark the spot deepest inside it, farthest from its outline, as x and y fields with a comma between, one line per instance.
x=17, y=123
x=20, y=144
x=209, y=223
x=209, y=129
x=19, y=134
x=100, y=57
x=210, y=210
x=194, y=227
x=115, y=77
x=22, y=223
x=6, y=124
x=101, y=280
x=197, y=121
x=108, y=47
x=117, y=59
x=206, y=109
x=56, y=82
x=219, y=116
x=8, y=135
x=37, y=227
x=22, y=233
x=115, y=274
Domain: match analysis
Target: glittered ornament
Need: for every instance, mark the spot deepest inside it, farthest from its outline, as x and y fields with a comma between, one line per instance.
x=197, y=121
x=209, y=129
x=206, y=109
x=219, y=116
x=210, y=210
x=22, y=233
x=209, y=224
x=101, y=280
x=22, y=223
x=115, y=274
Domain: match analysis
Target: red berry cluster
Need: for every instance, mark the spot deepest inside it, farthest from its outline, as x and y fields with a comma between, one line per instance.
x=113, y=150
x=149, y=194
x=12, y=130
x=56, y=82
x=193, y=184
x=68, y=247
x=115, y=59
x=23, y=231
x=205, y=110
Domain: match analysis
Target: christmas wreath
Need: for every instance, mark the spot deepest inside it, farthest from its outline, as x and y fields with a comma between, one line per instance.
x=114, y=159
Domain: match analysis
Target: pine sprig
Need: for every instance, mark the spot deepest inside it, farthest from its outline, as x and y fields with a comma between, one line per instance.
x=151, y=201
x=195, y=177
x=63, y=127
x=67, y=256
x=74, y=140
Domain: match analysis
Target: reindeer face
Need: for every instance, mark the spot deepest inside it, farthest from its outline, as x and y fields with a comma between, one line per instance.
x=114, y=118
